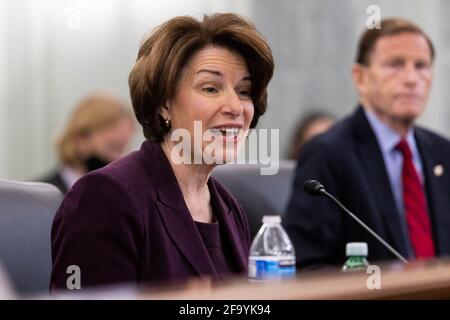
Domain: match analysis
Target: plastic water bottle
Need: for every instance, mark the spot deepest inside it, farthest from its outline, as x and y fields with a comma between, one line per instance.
x=357, y=256
x=272, y=256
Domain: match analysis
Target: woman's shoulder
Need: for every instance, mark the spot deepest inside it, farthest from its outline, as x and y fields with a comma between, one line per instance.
x=130, y=169
x=124, y=178
x=106, y=197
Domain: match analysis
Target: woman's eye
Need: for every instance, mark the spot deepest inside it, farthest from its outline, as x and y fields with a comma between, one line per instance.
x=245, y=93
x=210, y=90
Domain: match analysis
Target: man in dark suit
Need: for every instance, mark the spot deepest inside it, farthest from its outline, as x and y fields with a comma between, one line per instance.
x=392, y=174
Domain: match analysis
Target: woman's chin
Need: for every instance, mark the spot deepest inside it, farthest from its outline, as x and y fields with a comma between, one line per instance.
x=221, y=156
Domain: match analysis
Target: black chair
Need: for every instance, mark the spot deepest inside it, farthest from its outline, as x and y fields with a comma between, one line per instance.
x=26, y=215
x=258, y=194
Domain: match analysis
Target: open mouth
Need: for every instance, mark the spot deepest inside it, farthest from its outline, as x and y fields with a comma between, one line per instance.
x=226, y=131
x=228, y=134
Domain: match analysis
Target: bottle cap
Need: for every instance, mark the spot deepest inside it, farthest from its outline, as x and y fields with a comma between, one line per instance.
x=356, y=249
x=271, y=219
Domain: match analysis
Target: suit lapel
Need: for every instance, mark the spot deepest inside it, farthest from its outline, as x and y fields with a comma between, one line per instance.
x=228, y=227
x=372, y=161
x=182, y=230
x=436, y=188
x=174, y=213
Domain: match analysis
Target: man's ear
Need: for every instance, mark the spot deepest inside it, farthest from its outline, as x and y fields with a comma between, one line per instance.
x=359, y=78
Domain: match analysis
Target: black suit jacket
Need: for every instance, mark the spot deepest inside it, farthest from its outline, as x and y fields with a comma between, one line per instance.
x=55, y=179
x=348, y=161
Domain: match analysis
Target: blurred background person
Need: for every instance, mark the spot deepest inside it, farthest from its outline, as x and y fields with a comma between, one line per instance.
x=310, y=125
x=98, y=132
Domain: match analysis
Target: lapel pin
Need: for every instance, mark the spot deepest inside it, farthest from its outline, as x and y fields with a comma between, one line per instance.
x=438, y=170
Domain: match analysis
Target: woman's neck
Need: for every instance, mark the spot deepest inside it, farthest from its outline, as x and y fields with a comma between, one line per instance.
x=193, y=182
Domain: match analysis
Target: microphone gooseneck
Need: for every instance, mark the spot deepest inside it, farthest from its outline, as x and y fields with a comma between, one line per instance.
x=315, y=188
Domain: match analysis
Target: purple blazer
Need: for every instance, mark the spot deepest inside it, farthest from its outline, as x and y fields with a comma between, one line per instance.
x=128, y=223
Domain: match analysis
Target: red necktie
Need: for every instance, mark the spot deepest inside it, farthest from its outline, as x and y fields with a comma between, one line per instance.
x=415, y=204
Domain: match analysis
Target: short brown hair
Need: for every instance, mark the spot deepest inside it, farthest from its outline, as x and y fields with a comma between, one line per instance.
x=94, y=112
x=162, y=56
x=388, y=27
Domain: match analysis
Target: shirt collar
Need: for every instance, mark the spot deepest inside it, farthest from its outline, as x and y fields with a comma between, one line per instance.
x=386, y=136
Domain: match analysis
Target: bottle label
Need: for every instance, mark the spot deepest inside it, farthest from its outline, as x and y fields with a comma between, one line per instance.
x=355, y=263
x=271, y=268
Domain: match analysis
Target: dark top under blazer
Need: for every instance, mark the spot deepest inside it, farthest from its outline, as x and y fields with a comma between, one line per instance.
x=348, y=161
x=128, y=222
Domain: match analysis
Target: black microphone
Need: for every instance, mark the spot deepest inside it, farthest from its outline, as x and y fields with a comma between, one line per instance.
x=315, y=188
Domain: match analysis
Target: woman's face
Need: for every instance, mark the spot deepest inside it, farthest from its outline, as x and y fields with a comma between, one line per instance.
x=108, y=143
x=215, y=89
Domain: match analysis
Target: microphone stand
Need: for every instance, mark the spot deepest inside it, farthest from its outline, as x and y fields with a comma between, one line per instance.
x=384, y=243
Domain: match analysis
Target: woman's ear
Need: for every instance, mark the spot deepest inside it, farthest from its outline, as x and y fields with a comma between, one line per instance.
x=164, y=111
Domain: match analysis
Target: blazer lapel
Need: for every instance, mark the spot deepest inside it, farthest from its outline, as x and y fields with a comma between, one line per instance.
x=436, y=188
x=228, y=226
x=182, y=230
x=174, y=213
x=378, y=181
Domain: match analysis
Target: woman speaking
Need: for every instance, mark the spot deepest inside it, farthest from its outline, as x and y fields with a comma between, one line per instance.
x=156, y=216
